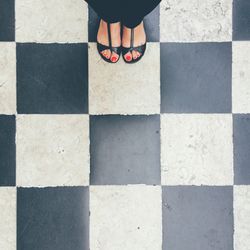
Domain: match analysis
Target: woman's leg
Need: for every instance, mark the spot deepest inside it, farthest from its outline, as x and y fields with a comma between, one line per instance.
x=139, y=39
x=133, y=12
x=109, y=12
x=103, y=38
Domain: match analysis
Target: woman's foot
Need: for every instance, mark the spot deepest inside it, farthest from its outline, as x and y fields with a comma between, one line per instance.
x=139, y=39
x=103, y=38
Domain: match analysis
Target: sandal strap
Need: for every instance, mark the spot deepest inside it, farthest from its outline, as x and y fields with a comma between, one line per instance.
x=102, y=47
x=132, y=38
x=139, y=49
x=117, y=50
x=109, y=35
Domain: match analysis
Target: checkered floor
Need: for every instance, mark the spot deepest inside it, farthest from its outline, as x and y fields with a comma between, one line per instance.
x=151, y=156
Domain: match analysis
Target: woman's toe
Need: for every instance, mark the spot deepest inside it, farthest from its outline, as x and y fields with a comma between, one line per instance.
x=134, y=53
x=105, y=54
x=128, y=57
x=108, y=54
x=114, y=57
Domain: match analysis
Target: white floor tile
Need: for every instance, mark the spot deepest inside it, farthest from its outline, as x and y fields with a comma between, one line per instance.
x=125, y=217
x=52, y=150
x=196, y=20
x=196, y=149
x=125, y=89
x=241, y=217
x=7, y=78
x=241, y=77
x=51, y=21
x=8, y=218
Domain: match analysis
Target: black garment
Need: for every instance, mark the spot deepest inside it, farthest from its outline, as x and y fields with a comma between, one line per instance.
x=129, y=12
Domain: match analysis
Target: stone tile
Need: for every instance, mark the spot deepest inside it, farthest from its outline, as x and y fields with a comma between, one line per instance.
x=152, y=25
x=241, y=139
x=8, y=218
x=7, y=20
x=7, y=78
x=241, y=217
x=241, y=20
x=196, y=78
x=120, y=217
x=52, y=78
x=53, y=218
x=7, y=151
x=196, y=21
x=93, y=23
x=123, y=88
x=196, y=149
x=52, y=150
x=61, y=21
x=124, y=150
x=197, y=218
x=241, y=77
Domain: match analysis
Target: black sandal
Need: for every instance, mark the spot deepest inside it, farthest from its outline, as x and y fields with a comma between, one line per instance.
x=141, y=49
x=101, y=48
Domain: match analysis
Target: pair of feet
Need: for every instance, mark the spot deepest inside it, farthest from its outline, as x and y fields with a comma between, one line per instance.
x=117, y=40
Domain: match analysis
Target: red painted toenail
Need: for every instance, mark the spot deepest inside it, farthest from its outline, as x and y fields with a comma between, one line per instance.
x=113, y=59
x=128, y=58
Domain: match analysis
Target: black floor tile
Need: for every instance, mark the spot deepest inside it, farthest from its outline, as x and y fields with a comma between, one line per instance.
x=125, y=149
x=241, y=20
x=52, y=78
x=7, y=20
x=197, y=218
x=196, y=77
x=241, y=130
x=7, y=150
x=53, y=218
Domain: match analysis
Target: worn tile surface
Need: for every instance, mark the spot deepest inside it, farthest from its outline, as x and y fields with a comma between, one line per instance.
x=241, y=217
x=52, y=150
x=160, y=148
x=116, y=89
x=204, y=146
x=8, y=218
x=137, y=225
x=196, y=20
x=8, y=78
x=241, y=77
x=58, y=21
